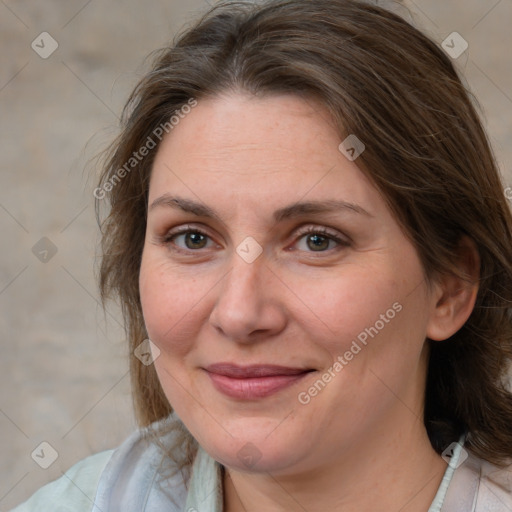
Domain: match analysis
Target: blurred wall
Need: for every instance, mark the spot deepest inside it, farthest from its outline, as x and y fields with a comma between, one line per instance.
x=63, y=363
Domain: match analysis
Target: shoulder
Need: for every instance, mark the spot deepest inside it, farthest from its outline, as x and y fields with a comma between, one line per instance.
x=495, y=490
x=142, y=473
x=138, y=475
x=479, y=486
x=74, y=491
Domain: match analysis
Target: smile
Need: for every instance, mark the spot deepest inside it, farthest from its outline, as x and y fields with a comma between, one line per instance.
x=253, y=382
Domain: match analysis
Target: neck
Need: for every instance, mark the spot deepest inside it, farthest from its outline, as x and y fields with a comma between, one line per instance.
x=397, y=472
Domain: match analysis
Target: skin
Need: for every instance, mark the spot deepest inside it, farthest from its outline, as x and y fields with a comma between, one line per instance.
x=296, y=305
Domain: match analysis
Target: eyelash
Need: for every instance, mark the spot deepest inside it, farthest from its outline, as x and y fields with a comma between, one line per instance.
x=302, y=232
x=325, y=233
x=169, y=237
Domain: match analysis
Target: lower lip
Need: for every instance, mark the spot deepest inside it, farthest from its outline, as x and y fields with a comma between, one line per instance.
x=252, y=388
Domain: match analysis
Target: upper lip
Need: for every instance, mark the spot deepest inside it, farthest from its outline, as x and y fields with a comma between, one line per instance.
x=251, y=371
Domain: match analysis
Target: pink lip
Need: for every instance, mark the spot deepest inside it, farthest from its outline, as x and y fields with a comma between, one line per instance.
x=255, y=381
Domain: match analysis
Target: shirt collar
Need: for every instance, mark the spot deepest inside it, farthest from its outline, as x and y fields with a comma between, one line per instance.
x=205, y=485
x=206, y=492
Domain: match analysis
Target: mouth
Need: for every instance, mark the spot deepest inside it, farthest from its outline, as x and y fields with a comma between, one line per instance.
x=255, y=381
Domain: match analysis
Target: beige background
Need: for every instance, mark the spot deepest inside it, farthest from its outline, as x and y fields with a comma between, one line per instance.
x=63, y=364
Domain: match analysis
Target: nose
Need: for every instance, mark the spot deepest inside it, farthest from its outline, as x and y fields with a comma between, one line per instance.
x=249, y=306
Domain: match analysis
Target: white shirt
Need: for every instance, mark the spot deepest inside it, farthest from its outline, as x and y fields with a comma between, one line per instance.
x=133, y=478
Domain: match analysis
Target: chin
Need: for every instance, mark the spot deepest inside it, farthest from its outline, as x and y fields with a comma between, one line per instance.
x=255, y=451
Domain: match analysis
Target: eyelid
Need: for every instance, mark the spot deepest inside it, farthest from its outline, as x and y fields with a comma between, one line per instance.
x=167, y=237
x=340, y=239
x=185, y=228
x=325, y=231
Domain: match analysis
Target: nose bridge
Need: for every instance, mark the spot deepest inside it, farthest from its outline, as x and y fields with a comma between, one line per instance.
x=243, y=302
x=248, y=268
x=242, y=284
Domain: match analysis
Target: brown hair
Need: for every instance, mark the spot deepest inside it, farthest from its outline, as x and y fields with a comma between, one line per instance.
x=426, y=151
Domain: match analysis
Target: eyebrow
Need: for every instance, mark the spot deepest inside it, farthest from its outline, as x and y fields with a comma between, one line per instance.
x=294, y=210
x=186, y=205
x=318, y=207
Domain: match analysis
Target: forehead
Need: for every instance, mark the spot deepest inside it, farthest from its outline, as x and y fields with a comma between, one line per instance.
x=258, y=152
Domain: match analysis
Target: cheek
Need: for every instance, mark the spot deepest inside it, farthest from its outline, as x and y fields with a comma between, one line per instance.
x=341, y=308
x=171, y=305
x=374, y=344
x=375, y=315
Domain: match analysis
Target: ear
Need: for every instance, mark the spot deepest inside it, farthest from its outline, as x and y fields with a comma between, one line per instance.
x=453, y=298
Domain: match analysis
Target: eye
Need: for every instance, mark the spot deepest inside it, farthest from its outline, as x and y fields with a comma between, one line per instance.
x=193, y=240
x=188, y=239
x=315, y=239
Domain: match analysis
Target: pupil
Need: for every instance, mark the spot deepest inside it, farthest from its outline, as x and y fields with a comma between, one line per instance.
x=195, y=240
x=319, y=242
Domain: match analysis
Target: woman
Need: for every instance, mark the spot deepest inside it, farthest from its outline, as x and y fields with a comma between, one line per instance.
x=307, y=222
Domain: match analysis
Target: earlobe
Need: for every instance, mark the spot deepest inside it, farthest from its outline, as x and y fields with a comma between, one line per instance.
x=454, y=297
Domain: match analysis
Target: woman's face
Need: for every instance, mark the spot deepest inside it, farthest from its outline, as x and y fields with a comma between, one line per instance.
x=289, y=308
